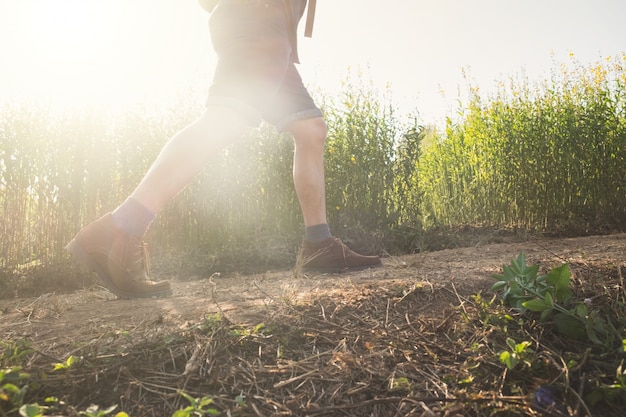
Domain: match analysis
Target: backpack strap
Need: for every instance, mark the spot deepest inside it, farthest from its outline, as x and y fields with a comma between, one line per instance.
x=310, y=18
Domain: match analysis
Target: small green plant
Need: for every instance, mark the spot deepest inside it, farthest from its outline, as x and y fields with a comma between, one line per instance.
x=240, y=400
x=524, y=289
x=14, y=351
x=95, y=411
x=197, y=407
x=518, y=353
x=400, y=384
x=13, y=387
x=69, y=362
x=33, y=410
x=610, y=392
x=36, y=410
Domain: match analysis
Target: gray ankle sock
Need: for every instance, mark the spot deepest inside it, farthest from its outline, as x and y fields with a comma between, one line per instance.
x=132, y=217
x=317, y=233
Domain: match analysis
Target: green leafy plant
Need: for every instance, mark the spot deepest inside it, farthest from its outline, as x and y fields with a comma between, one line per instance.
x=523, y=288
x=197, y=407
x=32, y=410
x=14, y=351
x=95, y=411
x=69, y=362
x=518, y=353
x=604, y=392
x=36, y=410
x=13, y=387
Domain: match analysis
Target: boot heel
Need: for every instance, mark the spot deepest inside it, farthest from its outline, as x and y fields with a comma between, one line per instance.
x=79, y=255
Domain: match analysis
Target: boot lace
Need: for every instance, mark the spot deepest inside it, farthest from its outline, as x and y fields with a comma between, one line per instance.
x=139, y=262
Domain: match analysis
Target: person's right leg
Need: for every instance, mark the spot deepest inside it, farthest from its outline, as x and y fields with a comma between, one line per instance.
x=117, y=255
x=253, y=48
x=186, y=154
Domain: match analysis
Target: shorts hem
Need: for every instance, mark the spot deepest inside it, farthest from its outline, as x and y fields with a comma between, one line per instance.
x=249, y=114
x=283, y=124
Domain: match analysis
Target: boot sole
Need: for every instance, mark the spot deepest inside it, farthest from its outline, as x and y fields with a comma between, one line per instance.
x=84, y=259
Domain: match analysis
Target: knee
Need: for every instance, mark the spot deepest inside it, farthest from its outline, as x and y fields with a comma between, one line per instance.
x=310, y=132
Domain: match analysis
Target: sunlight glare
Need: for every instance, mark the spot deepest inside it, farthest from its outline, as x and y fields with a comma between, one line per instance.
x=112, y=53
x=60, y=47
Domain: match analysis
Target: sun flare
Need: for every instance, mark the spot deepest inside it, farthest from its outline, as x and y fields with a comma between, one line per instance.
x=58, y=46
x=78, y=51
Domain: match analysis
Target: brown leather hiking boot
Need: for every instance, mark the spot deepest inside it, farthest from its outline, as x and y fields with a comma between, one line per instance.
x=119, y=259
x=332, y=256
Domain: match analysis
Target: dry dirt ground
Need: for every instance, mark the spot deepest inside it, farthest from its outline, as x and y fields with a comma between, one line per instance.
x=57, y=323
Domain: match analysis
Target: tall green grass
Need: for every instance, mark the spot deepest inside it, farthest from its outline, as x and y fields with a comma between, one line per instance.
x=59, y=171
x=545, y=155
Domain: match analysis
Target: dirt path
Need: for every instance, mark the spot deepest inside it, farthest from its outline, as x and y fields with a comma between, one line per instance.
x=57, y=324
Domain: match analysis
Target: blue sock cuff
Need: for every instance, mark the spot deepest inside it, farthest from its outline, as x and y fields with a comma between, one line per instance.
x=133, y=217
x=317, y=233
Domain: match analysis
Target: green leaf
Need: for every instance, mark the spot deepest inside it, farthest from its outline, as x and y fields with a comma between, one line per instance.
x=507, y=359
x=560, y=276
x=508, y=273
x=546, y=313
x=531, y=272
x=581, y=310
x=569, y=326
x=518, y=265
x=205, y=401
x=536, y=305
x=189, y=398
x=521, y=347
x=499, y=277
x=31, y=410
x=498, y=285
x=549, y=300
x=510, y=343
x=564, y=295
x=67, y=364
x=591, y=334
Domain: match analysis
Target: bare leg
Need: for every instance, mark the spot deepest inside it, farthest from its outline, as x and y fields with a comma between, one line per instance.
x=186, y=154
x=308, y=168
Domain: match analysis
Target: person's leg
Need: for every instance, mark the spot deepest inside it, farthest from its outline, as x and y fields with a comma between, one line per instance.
x=293, y=110
x=320, y=251
x=112, y=246
x=251, y=41
x=308, y=168
x=186, y=154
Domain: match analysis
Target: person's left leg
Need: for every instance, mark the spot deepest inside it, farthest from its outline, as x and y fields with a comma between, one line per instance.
x=308, y=168
x=320, y=251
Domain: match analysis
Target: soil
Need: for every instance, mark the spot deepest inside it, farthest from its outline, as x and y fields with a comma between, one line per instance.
x=56, y=324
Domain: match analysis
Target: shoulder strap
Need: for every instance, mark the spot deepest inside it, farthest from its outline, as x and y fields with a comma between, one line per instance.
x=310, y=18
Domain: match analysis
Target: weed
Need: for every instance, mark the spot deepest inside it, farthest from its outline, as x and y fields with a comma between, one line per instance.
x=518, y=353
x=197, y=407
x=524, y=289
x=13, y=387
x=95, y=411
x=13, y=352
x=70, y=361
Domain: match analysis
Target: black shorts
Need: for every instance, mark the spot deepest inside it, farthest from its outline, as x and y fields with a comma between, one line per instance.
x=255, y=72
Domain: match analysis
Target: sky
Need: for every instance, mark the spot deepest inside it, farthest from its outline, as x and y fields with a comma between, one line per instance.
x=121, y=53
